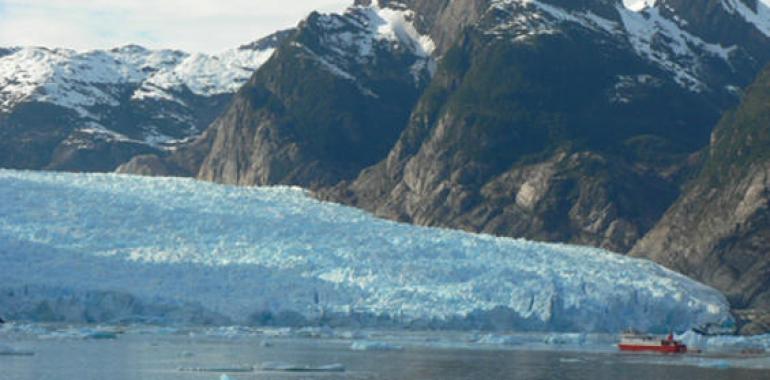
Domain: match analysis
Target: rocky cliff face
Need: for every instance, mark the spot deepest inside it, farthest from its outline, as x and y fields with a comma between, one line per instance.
x=91, y=111
x=513, y=139
x=719, y=230
x=330, y=102
x=553, y=120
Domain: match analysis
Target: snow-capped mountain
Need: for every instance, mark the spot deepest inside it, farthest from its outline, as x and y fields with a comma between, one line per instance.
x=668, y=33
x=332, y=101
x=571, y=121
x=148, y=99
x=498, y=80
x=562, y=120
x=99, y=245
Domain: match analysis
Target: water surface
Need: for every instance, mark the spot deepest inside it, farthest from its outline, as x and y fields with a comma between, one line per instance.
x=149, y=357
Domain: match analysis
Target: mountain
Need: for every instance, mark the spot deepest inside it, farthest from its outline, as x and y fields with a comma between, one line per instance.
x=718, y=231
x=504, y=136
x=329, y=103
x=552, y=120
x=91, y=111
x=559, y=122
x=571, y=121
x=128, y=248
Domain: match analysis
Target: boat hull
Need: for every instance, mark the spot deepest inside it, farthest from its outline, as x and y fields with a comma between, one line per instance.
x=672, y=349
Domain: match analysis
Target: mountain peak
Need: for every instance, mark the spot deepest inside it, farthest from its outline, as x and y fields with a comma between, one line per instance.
x=270, y=42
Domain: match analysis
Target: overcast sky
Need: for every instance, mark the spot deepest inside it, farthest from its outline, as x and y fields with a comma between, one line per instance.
x=192, y=25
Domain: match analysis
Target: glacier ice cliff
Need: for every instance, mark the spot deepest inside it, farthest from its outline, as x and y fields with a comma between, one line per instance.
x=106, y=247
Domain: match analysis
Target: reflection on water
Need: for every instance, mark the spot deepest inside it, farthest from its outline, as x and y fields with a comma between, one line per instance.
x=152, y=357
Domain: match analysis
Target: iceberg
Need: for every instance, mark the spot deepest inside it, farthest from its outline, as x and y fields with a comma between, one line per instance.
x=374, y=346
x=725, y=343
x=234, y=369
x=106, y=247
x=288, y=367
x=10, y=351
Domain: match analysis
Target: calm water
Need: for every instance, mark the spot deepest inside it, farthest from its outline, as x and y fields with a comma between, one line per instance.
x=148, y=357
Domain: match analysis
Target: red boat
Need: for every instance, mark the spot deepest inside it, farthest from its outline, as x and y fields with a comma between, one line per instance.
x=633, y=341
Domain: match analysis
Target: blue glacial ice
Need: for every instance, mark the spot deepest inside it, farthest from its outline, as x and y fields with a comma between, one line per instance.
x=101, y=248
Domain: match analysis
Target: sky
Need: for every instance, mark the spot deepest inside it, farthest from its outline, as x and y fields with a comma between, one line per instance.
x=207, y=26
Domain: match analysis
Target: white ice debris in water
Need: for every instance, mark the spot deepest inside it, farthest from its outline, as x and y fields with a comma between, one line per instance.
x=289, y=367
x=251, y=253
x=6, y=350
x=726, y=343
x=374, y=346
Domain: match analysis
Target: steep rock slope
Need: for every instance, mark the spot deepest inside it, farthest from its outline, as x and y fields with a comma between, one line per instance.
x=91, y=111
x=555, y=121
x=719, y=230
x=330, y=102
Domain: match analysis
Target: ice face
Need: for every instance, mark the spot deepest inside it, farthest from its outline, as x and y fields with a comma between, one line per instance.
x=275, y=255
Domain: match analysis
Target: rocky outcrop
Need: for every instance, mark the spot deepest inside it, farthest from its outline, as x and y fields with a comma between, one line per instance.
x=719, y=230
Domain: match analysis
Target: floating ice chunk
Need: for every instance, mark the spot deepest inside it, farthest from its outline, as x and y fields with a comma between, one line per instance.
x=81, y=333
x=6, y=350
x=364, y=345
x=100, y=335
x=287, y=367
x=501, y=340
x=352, y=335
x=315, y=332
x=726, y=343
x=714, y=363
x=565, y=339
x=236, y=369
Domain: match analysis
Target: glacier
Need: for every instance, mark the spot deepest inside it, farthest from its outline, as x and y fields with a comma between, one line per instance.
x=108, y=247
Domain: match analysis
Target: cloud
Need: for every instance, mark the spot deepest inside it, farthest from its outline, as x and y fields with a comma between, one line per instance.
x=192, y=25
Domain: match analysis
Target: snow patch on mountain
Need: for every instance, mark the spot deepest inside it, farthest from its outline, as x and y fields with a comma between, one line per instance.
x=654, y=37
x=204, y=75
x=638, y=5
x=528, y=18
x=261, y=253
x=683, y=51
x=81, y=81
x=354, y=38
x=759, y=17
